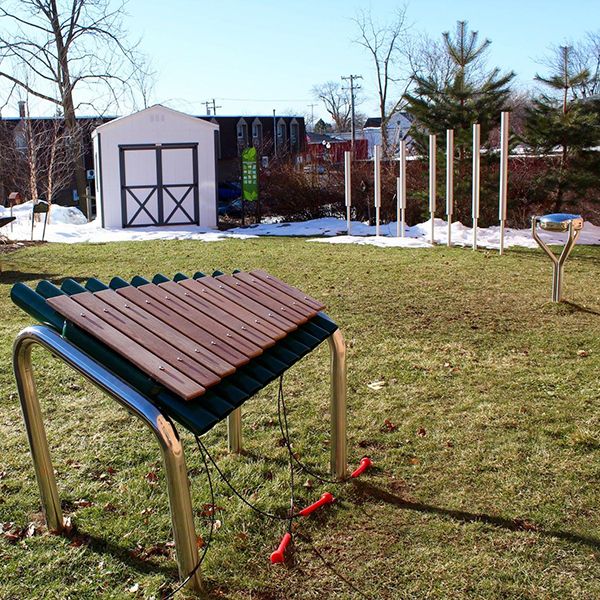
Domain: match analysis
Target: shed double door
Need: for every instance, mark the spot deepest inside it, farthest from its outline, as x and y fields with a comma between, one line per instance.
x=159, y=184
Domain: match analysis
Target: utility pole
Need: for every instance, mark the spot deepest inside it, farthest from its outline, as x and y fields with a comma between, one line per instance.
x=312, y=115
x=353, y=87
x=207, y=103
x=215, y=107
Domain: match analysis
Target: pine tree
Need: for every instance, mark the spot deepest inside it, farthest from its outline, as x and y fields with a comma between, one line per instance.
x=466, y=94
x=569, y=125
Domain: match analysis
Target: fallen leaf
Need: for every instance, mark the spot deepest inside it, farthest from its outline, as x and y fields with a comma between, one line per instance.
x=582, y=353
x=151, y=477
x=308, y=484
x=389, y=426
x=83, y=503
x=422, y=432
x=216, y=525
x=414, y=461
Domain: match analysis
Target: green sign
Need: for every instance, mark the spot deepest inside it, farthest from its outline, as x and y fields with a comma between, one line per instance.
x=249, y=175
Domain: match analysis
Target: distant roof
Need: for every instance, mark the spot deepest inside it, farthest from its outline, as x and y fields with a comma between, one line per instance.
x=376, y=121
x=319, y=138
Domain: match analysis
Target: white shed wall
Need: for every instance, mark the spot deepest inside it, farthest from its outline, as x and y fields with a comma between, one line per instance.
x=155, y=125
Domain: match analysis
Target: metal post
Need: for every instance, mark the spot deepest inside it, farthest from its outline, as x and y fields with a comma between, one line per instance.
x=476, y=149
x=401, y=192
x=234, y=431
x=348, y=186
x=339, y=454
x=172, y=450
x=449, y=181
x=377, y=185
x=504, y=132
x=432, y=183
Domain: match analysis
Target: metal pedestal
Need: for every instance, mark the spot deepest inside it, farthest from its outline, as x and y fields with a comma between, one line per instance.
x=560, y=222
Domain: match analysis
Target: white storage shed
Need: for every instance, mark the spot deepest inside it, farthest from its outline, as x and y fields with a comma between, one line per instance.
x=156, y=167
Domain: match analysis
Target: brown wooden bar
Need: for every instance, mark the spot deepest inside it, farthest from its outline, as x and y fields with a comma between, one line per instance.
x=142, y=358
x=257, y=309
x=215, y=344
x=288, y=289
x=256, y=322
x=189, y=335
x=182, y=340
x=191, y=368
x=253, y=339
x=281, y=296
x=296, y=314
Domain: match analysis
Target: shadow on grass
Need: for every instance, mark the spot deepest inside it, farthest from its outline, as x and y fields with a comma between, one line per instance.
x=578, y=307
x=375, y=493
x=11, y=277
x=14, y=276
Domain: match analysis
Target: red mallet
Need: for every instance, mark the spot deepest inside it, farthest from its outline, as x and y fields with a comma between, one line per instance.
x=279, y=555
x=365, y=463
x=326, y=498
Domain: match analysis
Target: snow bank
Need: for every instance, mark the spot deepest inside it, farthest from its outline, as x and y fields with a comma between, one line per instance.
x=68, y=225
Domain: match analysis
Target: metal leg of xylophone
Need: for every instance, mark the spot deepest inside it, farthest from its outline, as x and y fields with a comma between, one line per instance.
x=162, y=427
x=339, y=452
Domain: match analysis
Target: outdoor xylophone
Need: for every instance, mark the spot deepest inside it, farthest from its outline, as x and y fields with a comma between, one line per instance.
x=190, y=350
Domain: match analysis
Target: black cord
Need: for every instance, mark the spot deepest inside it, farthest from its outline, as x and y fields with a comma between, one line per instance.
x=286, y=436
x=210, y=533
x=264, y=513
x=332, y=568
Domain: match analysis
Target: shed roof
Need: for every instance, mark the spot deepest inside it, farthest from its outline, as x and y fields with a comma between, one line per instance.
x=159, y=108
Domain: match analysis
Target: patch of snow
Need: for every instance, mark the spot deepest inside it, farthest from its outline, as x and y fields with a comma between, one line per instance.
x=68, y=225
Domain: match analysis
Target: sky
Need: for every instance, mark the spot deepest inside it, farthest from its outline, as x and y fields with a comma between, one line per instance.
x=256, y=56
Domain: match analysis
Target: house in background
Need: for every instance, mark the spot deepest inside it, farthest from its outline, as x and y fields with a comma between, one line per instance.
x=397, y=130
x=278, y=136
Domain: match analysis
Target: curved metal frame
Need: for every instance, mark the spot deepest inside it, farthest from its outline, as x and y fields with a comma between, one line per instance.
x=558, y=262
x=164, y=430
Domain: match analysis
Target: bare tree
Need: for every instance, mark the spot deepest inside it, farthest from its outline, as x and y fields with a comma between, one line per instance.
x=385, y=44
x=73, y=53
x=337, y=102
x=585, y=56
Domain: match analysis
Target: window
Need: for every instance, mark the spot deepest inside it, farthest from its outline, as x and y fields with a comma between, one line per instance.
x=257, y=132
x=242, y=134
x=281, y=133
x=294, y=136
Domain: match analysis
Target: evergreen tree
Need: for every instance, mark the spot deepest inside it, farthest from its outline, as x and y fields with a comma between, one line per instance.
x=466, y=93
x=564, y=123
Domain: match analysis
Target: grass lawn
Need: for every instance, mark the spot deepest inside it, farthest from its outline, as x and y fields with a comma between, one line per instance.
x=485, y=436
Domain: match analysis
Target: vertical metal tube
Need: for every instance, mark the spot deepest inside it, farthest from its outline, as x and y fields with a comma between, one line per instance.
x=36, y=433
x=377, y=185
x=476, y=150
x=503, y=194
x=449, y=181
x=401, y=192
x=339, y=454
x=432, y=183
x=234, y=431
x=348, y=186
